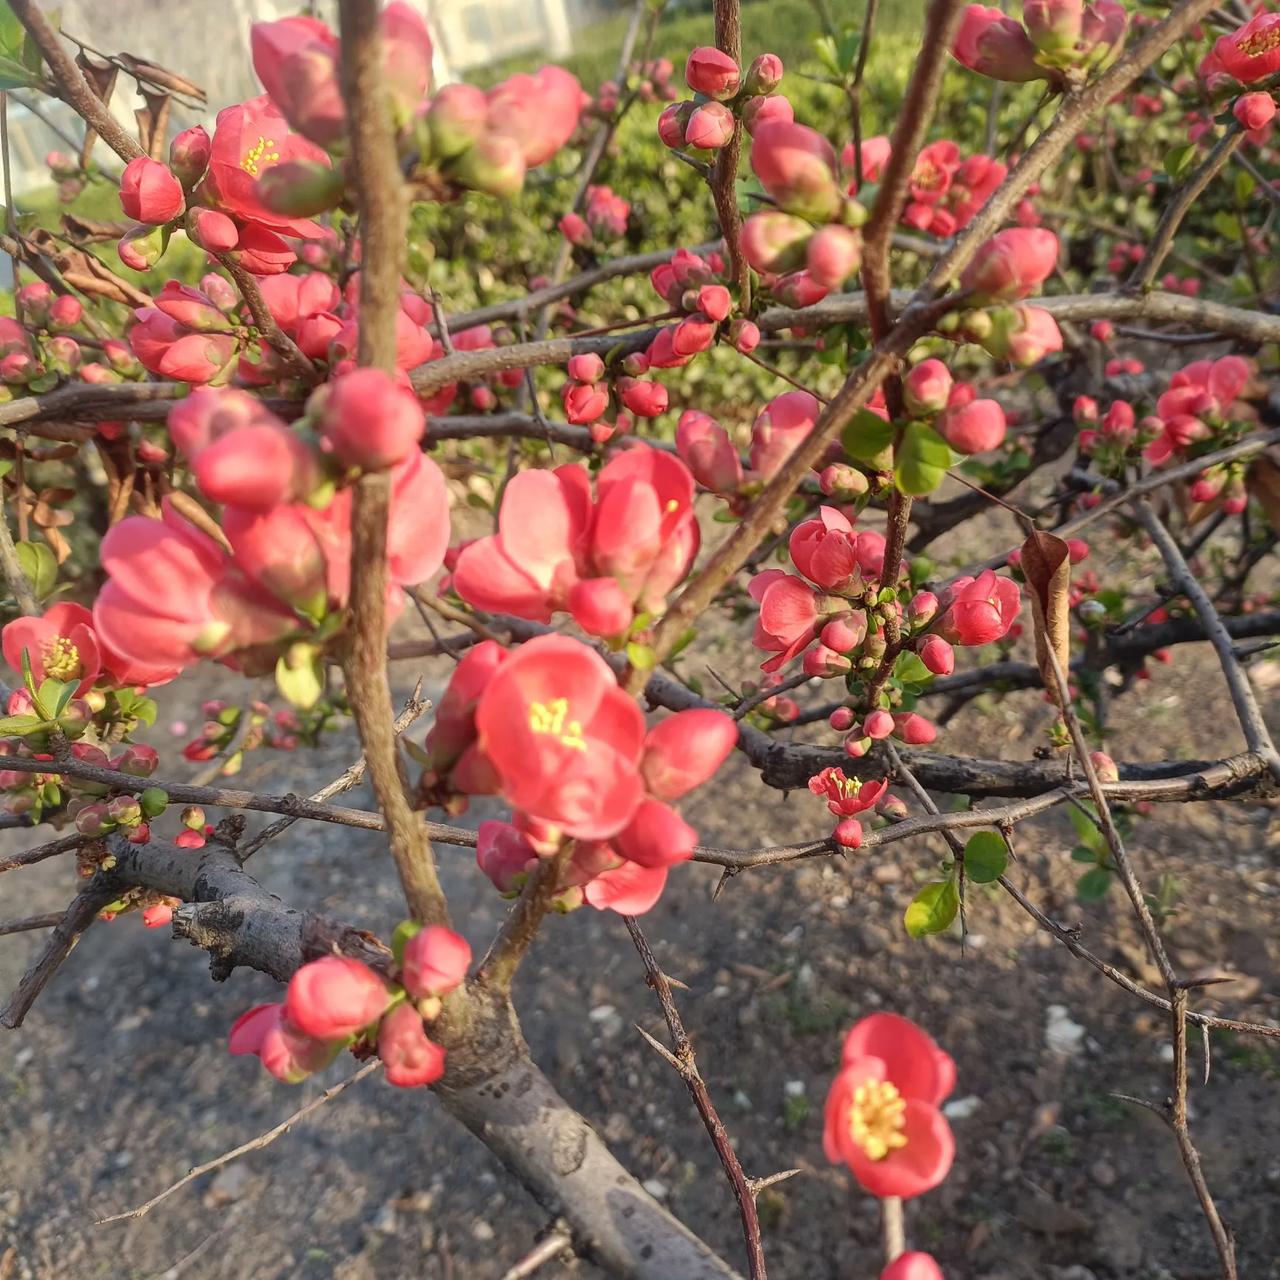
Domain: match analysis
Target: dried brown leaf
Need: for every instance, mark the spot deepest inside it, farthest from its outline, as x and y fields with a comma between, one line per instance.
x=1263, y=480
x=1046, y=565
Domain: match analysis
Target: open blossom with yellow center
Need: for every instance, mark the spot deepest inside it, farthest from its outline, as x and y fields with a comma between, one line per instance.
x=61, y=659
x=552, y=718
x=260, y=156
x=877, y=1117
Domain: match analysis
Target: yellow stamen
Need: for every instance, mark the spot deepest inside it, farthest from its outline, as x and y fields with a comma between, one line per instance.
x=877, y=1118
x=259, y=156
x=1261, y=41
x=553, y=718
x=61, y=659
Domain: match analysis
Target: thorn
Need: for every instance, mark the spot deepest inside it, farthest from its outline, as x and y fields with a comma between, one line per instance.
x=757, y=1185
x=725, y=876
x=1208, y=1056
x=658, y=1047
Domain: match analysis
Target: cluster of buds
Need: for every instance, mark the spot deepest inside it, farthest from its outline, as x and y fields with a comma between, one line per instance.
x=966, y=423
x=1061, y=41
x=695, y=285
x=53, y=797
x=587, y=397
x=337, y=1003
x=251, y=729
x=603, y=219
x=39, y=352
x=652, y=81
x=777, y=432
x=810, y=243
x=722, y=97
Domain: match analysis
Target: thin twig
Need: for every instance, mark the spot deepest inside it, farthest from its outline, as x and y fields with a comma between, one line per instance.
x=557, y=1243
x=30, y=923
x=257, y=1144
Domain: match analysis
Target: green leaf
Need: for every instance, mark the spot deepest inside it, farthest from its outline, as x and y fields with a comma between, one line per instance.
x=911, y=670
x=55, y=694
x=867, y=436
x=300, y=676
x=921, y=460
x=1179, y=160
x=19, y=726
x=1093, y=885
x=1082, y=854
x=932, y=909
x=400, y=936
x=40, y=566
x=641, y=656
x=1244, y=186
x=985, y=857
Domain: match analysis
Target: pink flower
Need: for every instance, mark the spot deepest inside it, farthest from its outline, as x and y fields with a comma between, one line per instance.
x=454, y=731
x=149, y=192
x=643, y=398
x=789, y=619
x=712, y=73
x=584, y=401
x=981, y=609
x=779, y=430
x=287, y=1053
x=882, y=1114
x=994, y=45
x=335, y=997
x=1253, y=52
x=628, y=888
x=435, y=961
x=539, y=112
x=370, y=420
x=297, y=61
x=847, y=796
x=167, y=347
x=529, y=565
x=1012, y=264
x=974, y=427
x=411, y=1059
x=796, y=166
x=912, y=1266
x=656, y=836
x=172, y=597
x=707, y=451
x=250, y=138
x=828, y=551
x=60, y=645
x=563, y=739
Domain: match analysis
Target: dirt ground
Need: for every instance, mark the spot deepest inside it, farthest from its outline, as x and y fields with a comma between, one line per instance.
x=120, y=1081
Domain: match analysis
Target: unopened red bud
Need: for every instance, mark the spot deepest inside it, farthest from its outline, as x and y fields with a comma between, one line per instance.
x=713, y=73
x=710, y=127
x=189, y=154
x=745, y=335
x=1104, y=766
x=764, y=74
x=937, y=655
x=841, y=719
x=149, y=192
x=927, y=387
x=877, y=724
x=848, y=833
x=586, y=368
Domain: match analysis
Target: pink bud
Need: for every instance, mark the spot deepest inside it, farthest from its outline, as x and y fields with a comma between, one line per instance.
x=775, y=241
x=495, y=165
x=833, y=254
x=848, y=833
x=370, y=420
x=994, y=45
x=712, y=73
x=287, y=1053
x=584, y=402
x=693, y=334
x=764, y=74
x=705, y=447
x=825, y=663
x=796, y=166
x=1084, y=409
x=673, y=122
x=435, y=961
x=189, y=154
x=745, y=335
x=412, y=1060
x=213, y=230
x=657, y=836
x=714, y=301
x=937, y=655
x=710, y=127
x=975, y=428
x=923, y=608
x=586, y=368
x=760, y=111
x=149, y=192
x=301, y=188
x=1012, y=264
x=927, y=387
x=157, y=915
x=573, y=226
x=914, y=729
x=65, y=312
x=1103, y=330
x=1254, y=110
x=643, y=398
x=1078, y=550
x=841, y=719
x=685, y=750
x=600, y=606
x=334, y=997
x=846, y=632
x=842, y=480
x=877, y=724
x=455, y=119
x=1104, y=766
x=142, y=247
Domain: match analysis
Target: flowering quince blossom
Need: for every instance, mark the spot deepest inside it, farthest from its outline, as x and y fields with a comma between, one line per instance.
x=1062, y=40
x=335, y=997
x=602, y=560
x=1201, y=397
x=882, y=1115
x=286, y=1052
x=979, y=610
x=1253, y=52
x=60, y=645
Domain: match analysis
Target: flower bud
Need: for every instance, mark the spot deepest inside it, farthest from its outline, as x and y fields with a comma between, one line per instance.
x=848, y=833
x=877, y=724
x=600, y=607
x=411, y=1059
x=370, y=420
x=796, y=166
x=974, y=428
x=927, y=387
x=435, y=961
x=775, y=241
x=937, y=655
x=760, y=111
x=456, y=119
x=1012, y=264
x=94, y=820
x=334, y=997
x=583, y=401
x=841, y=719
x=65, y=312
x=764, y=74
x=586, y=368
x=494, y=165
x=710, y=127
x=1104, y=766
x=301, y=188
x=1254, y=110
x=833, y=254
x=643, y=398
x=672, y=124
x=744, y=334
x=914, y=729
x=189, y=154
x=142, y=247
x=154, y=802
x=149, y=192
x=714, y=301
x=713, y=73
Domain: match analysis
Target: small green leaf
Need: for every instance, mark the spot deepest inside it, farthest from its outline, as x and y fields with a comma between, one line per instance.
x=932, y=909
x=400, y=936
x=985, y=857
x=1094, y=884
x=40, y=566
x=867, y=436
x=19, y=726
x=641, y=656
x=910, y=669
x=921, y=460
x=300, y=676
x=1179, y=160
x=1082, y=854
